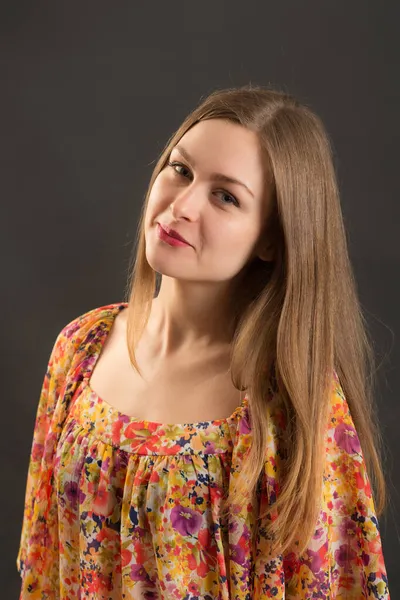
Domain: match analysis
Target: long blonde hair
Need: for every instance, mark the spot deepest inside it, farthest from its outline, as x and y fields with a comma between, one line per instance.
x=300, y=320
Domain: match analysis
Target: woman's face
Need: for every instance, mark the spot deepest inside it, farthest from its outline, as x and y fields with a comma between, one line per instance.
x=222, y=220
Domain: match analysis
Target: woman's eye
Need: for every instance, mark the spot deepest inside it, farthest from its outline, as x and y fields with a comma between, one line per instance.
x=223, y=193
x=176, y=164
x=232, y=198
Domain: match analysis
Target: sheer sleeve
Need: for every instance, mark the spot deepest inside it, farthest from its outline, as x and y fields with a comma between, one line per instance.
x=37, y=559
x=53, y=381
x=344, y=559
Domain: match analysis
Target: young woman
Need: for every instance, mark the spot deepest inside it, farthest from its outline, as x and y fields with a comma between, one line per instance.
x=217, y=439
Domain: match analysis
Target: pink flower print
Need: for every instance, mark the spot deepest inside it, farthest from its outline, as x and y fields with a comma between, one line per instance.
x=104, y=501
x=244, y=423
x=319, y=533
x=233, y=526
x=185, y=520
x=346, y=438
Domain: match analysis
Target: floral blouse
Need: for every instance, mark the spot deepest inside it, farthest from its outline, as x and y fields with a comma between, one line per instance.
x=121, y=508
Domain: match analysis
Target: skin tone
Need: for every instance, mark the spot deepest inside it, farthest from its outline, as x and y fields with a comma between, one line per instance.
x=223, y=222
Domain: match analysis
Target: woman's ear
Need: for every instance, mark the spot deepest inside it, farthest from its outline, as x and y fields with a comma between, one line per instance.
x=267, y=254
x=267, y=242
x=265, y=250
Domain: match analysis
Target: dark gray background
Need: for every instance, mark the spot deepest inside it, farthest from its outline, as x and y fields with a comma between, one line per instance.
x=90, y=93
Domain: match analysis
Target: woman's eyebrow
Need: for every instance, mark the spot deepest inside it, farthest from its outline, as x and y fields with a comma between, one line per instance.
x=215, y=176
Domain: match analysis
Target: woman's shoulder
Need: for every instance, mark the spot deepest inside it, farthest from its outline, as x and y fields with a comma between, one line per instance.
x=74, y=337
x=76, y=329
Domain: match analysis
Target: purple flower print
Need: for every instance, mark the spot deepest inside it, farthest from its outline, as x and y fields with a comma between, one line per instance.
x=365, y=558
x=237, y=554
x=348, y=528
x=185, y=520
x=346, y=438
x=233, y=526
x=313, y=560
x=345, y=556
x=71, y=491
x=138, y=573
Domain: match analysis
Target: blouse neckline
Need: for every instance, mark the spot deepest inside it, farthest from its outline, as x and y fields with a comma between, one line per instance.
x=133, y=419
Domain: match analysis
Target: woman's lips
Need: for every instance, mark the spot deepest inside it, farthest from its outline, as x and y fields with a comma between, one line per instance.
x=172, y=241
x=173, y=233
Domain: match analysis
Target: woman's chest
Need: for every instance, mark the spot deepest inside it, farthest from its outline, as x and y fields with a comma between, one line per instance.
x=177, y=391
